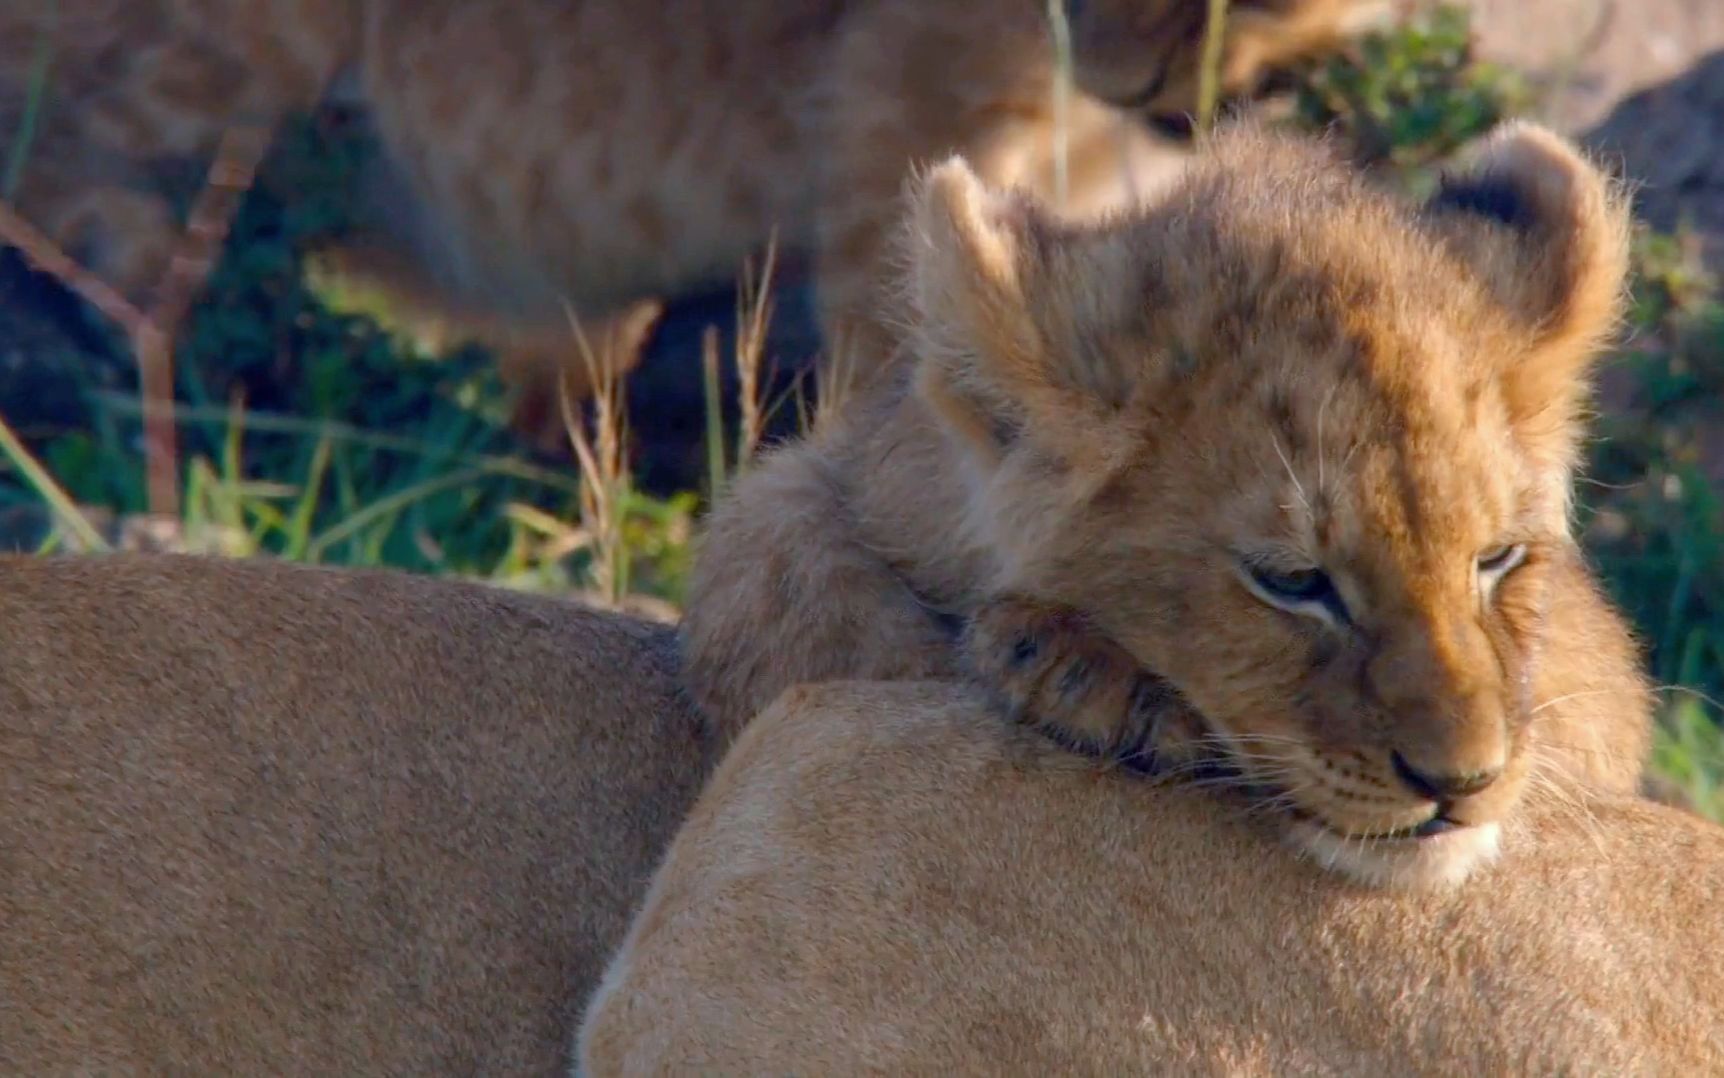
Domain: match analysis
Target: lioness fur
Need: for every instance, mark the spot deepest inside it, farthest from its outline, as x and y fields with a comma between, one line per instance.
x=1121, y=440
x=882, y=878
x=259, y=819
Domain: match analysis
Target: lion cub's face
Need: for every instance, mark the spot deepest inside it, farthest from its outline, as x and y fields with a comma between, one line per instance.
x=1303, y=451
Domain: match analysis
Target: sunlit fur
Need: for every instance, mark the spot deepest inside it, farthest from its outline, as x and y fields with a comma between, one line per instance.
x=258, y=818
x=884, y=879
x=1270, y=361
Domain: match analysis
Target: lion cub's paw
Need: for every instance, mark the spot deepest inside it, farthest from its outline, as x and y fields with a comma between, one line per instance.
x=1049, y=668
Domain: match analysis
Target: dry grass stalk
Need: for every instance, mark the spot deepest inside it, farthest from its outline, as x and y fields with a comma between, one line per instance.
x=1060, y=27
x=753, y=317
x=1209, y=73
x=603, y=458
x=836, y=379
x=717, y=472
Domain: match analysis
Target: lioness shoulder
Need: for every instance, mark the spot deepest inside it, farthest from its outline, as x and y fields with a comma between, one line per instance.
x=883, y=878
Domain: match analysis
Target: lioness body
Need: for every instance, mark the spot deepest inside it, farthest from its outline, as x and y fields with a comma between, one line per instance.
x=264, y=819
x=883, y=879
x=601, y=153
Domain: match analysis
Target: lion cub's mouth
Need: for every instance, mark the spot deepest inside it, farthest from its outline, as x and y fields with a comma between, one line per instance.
x=1436, y=825
x=1426, y=857
x=1434, y=852
x=1437, y=853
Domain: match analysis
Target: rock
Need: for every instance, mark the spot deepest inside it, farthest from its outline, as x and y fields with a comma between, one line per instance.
x=1640, y=81
x=1585, y=56
x=1670, y=141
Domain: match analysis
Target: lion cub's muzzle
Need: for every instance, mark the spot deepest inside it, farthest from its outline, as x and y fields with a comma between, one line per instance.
x=1424, y=812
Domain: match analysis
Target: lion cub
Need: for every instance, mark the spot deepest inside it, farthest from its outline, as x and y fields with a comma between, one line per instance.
x=1303, y=452
x=882, y=879
x=259, y=819
x=601, y=153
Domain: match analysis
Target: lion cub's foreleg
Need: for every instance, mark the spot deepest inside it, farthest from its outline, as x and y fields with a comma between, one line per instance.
x=1047, y=666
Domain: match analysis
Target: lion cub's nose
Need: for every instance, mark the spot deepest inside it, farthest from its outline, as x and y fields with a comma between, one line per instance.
x=1438, y=786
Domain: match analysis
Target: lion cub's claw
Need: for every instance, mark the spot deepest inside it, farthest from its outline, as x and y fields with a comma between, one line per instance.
x=1049, y=668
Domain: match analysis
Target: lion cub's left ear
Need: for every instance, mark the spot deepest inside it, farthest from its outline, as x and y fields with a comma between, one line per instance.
x=1548, y=234
x=1010, y=310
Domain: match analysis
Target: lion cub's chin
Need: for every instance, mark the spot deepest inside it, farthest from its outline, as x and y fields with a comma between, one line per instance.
x=1412, y=864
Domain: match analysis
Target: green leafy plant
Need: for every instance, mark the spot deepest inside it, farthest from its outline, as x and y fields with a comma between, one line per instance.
x=1688, y=758
x=1411, y=95
x=1652, y=507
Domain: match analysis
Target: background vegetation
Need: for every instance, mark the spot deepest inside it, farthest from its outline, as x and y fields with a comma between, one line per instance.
x=310, y=432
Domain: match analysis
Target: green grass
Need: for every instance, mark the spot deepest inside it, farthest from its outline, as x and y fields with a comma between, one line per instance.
x=439, y=500
x=1652, y=513
x=1686, y=755
x=1408, y=98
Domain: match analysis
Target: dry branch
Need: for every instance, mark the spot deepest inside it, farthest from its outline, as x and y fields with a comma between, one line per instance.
x=230, y=177
x=152, y=334
x=45, y=256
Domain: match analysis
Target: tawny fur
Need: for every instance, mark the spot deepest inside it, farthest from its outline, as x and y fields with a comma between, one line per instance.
x=262, y=819
x=605, y=153
x=881, y=878
x=1270, y=364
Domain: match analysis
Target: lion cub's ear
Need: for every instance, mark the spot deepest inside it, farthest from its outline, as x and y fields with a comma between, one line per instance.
x=1009, y=307
x=1547, y=232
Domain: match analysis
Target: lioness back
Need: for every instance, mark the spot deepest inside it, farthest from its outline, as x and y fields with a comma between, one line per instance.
x=882, y=878
x=264, y=819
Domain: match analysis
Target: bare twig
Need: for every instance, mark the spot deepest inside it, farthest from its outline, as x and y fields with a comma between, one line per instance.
x=152, y=334
x=154, y=353
x=45, y=256
x=230, y=177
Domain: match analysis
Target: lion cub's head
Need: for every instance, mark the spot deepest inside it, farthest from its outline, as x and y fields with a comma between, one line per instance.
x=1303, y=450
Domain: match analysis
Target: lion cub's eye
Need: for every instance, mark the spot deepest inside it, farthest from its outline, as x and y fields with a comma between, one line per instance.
x=1303, y=591
x=1496, y=562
